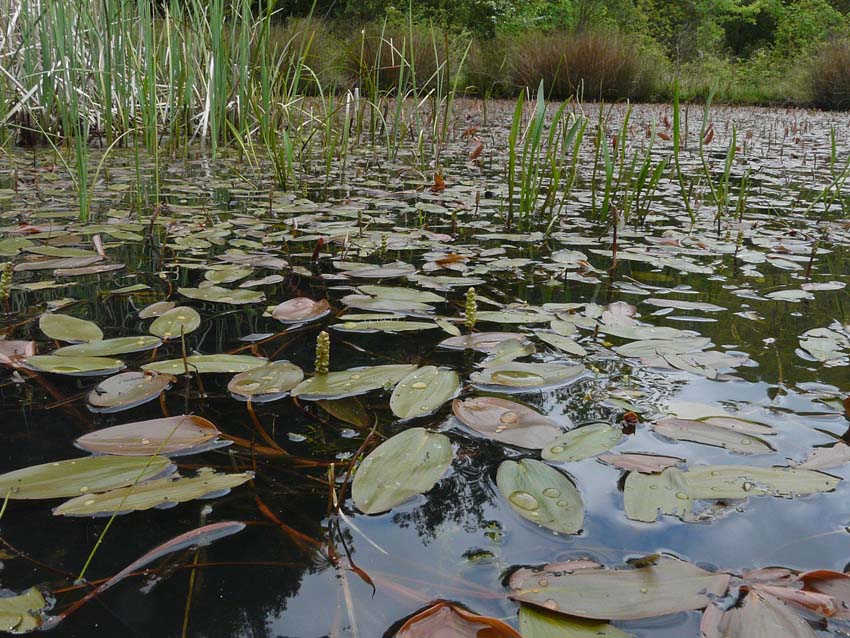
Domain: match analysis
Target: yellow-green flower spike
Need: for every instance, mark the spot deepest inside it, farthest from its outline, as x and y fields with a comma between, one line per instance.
x=323, y=353
x=5, y=281
x=471, y=309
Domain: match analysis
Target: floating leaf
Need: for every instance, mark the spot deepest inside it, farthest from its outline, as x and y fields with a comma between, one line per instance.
x=668, y=587
x=653, y=347
x=19, y=614
x=447, y=620
x=762, y=616
x=13, y=352
x=673, y=491
x=536, y=622
x=110, y=347
x=401, y=294
x=527, y=375
x=823, y=458
x=561, y=342
x=167, y=436
x=350, y=410
x=348, y=383
x=711, y=434
x=67, y=328
x=74, y=366
x=128, y=390
x=156, y=309
x=84, y=475
x=207, y=363
x=217, y=294
x=506, y=421
x=423, y=391
x=377, y=304
x=514, y=316
x=479, y=341
x=541, y=494
x=161, y=492
x=177, y=321
x=582, y=442
x=645, y=463
x=301, y=310
x=270, y=382
x=403, y=466
x=385, y=325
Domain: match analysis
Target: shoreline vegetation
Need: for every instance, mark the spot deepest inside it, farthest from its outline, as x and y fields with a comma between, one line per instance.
x=285, y=90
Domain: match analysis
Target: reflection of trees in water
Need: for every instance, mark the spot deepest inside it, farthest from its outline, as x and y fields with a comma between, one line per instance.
x=459, y=499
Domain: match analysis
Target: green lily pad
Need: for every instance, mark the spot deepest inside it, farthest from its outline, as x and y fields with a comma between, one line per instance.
x=207, y=363
x=67, y=328
x=506, y=421
x=349, y=383
x=218, y=294
x=403, y=466
x=19, y=614
x=158, y=493
x=72, y=477
x=128, y=390
x=391, y=325
x=401, y=294
x=711, y=434
x=541, y=494
x=174, y=322
x=270, y=382
x=527, y=376
x=167, y=436
x=513, y=316
x=110, y=347
x=423, y=391
x=668, y=587
x=583, y=442
x=74, y=366
x=378, y=304
x=673, y=491
x=156, y=309
x=537, y=622
x=561, y=342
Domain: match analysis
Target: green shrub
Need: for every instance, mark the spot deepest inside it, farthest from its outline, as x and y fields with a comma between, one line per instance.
x=597, y=65
x=322, y=51
x=827, y=76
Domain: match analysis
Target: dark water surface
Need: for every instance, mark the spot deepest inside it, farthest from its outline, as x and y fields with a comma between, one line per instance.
x=459, y=540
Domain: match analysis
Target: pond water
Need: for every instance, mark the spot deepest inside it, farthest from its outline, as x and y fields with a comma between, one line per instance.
x=744, y=290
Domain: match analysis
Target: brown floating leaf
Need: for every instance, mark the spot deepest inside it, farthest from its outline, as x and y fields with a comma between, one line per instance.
x=711, y=434
x=169, y=435
x=447, y=620
x=11, y=352
x=762, y=616
x=439, y=184
x=834, y=584
x=506, y=421
x=300, y=309
x=127, y=390
x=822, y=458
x=619, y=594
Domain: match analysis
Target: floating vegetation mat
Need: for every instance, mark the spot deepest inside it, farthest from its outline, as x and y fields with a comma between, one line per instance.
x=605, y=395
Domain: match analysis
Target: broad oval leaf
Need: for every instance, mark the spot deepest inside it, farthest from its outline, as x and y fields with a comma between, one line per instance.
x=175, y=322
x=561, y=342
x=423, y=391
x=541, y=494
x=19, y=614
x=167, y=436
x=710, y=434
x=164, y=492
x=156, y=309
x=384, y=325
x=73, y=477
x=403, y=466
x=447, y=620
x=349, y=383
x=668, y=587
x=110, y=347
x=207, y=363
x=644, y=463
x=270, y=382
x=128, y=390
x=583, y=442
x=217, y=294
x=506, y=421
x=74, y=365
x=301, y=310
x=526, y=376
x=479, y=341
x=67, y=328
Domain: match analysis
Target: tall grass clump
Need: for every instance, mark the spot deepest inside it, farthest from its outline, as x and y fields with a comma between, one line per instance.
x=595, y=65
x=827, y=76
